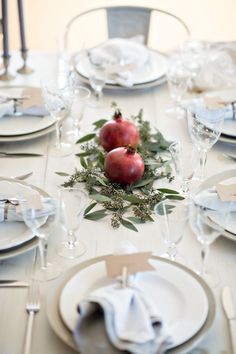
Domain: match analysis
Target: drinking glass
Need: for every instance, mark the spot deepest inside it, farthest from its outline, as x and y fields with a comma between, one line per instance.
x=178, y=80
x=58, y=103
x=73, y=202
x=172, y=216
x=207, y=232
x=80, y=98
x=185, y=158
x=41, y=216
x=204, y=132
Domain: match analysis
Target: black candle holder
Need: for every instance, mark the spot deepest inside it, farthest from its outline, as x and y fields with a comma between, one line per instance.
x=25, y=69
x=6, y=76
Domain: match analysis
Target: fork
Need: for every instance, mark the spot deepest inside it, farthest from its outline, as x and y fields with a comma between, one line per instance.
x=32, y=307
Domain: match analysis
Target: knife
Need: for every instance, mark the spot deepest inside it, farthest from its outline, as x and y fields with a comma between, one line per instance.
x=13, y=284
x=230, y=313
x=18, y=154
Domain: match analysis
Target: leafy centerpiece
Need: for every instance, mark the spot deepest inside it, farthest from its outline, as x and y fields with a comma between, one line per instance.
x=121, y=182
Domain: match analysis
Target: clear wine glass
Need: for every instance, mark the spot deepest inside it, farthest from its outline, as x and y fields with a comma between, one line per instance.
x=204, y=131
x=58, y=103
x=178, y=80
x=172, y=216
x=185, y=157
x=207, y=231
x=73, y=202
x=41, y=216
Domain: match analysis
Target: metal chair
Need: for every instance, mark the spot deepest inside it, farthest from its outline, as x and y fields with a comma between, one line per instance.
x=161, y=29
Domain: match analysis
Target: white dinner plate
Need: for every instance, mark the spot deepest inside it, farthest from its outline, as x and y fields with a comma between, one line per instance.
x=227, y=139
x=229, y=126
x=58, y=325
x=19, y=125
x=226, y=177
x=14, y=234
x=153, y=71
x=181, y=300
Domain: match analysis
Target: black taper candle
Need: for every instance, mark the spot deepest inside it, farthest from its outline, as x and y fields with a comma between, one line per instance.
x=5, y=29
x=22, y=26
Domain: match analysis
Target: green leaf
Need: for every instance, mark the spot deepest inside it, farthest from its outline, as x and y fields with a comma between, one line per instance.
x=83, y=162
x=63, y=174
x=132, y=199
x=99, y=123
x=168, y=191
x=85, y=138
x=174, y=197
x=84, y=154
x=100, y=198
x=101, y=159
x=136, y=220
x=90, y=207
x=128, y=225
x=101, y=181
x=96, y=215
x=142, y=182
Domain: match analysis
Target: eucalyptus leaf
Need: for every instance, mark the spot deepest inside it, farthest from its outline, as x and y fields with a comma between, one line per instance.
x=84, y=154
x=128, y=225
x=96, y=215
x=174, y=197
x=101, y=181
x=85, y=138
x=83, y=162
x=89, y=208
x=142, y=182
x=63, y=174
x=132, y=199
x=99, y=123
x=100, y=198
x=136, y=220
x=168, y=191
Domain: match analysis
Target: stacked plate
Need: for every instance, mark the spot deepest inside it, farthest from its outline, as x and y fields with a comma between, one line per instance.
x=228, y=134
x=15, y=237
x=151, y=74
x=25, y=127
x=227, y=177
x=186, y=303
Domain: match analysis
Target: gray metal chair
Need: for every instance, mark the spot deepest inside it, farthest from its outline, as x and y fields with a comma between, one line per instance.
x=155, y=25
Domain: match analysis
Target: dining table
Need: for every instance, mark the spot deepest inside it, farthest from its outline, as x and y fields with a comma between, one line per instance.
x=98, y=236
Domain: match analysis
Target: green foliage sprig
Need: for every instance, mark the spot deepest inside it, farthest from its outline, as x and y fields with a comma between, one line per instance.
x=128, y=205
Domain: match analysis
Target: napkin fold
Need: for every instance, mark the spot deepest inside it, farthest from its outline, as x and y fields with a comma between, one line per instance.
x=8, y=109
x=209, y=198
x=121, y=57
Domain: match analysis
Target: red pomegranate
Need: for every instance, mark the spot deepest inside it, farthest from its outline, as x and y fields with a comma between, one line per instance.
x=124, y=165
x=118, y=132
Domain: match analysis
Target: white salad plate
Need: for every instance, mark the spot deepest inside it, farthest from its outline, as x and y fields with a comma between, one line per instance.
x=226, y=177
x=15, y=233
x=185, y=301
x=151, y=74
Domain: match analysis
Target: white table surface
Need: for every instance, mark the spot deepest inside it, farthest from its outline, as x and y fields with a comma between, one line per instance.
x=99, y=237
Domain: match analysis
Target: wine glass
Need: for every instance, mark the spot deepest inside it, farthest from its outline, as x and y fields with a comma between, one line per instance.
x=80, y=98
x=185, y=158
x=40, y=215
x=58, y=103
x=204, y=130
x=207, y=231
x=73, y=201
x=178, y=80
x=172, y=216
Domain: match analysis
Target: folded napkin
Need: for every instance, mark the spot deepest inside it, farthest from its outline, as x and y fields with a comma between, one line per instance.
x=31, y=105
x=219, y=69
x=121, y=57
x=209, y=199
x=114, y=319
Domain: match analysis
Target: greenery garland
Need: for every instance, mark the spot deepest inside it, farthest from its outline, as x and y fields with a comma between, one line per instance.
x=132, y=204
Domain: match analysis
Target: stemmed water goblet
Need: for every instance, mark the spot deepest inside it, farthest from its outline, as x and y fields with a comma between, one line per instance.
x=185, y=158
x=73, y=202
x=172, y=217
x=207, y=231
x=58, y=103
x=41, y=216
x=204, y=132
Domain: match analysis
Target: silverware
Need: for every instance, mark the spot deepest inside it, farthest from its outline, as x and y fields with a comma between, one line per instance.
x=229, y=309
x=13, y=284
x=227, y=156
x=18, y=154
x=32, y=308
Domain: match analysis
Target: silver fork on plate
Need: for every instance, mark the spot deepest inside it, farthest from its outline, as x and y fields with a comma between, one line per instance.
x=32, y=308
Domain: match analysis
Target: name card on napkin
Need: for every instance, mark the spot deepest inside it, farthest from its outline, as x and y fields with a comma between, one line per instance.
x=35, y=97
x=226, y=192
x=214, y=102
x=133, y=262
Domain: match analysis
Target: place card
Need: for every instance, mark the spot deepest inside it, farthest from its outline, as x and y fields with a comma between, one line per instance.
x=34, y=97
x=214, y=102
x=131, y=263
x=226, y=192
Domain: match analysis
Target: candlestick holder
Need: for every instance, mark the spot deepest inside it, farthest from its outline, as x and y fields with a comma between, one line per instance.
x=6, y=76
x=25, y=69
